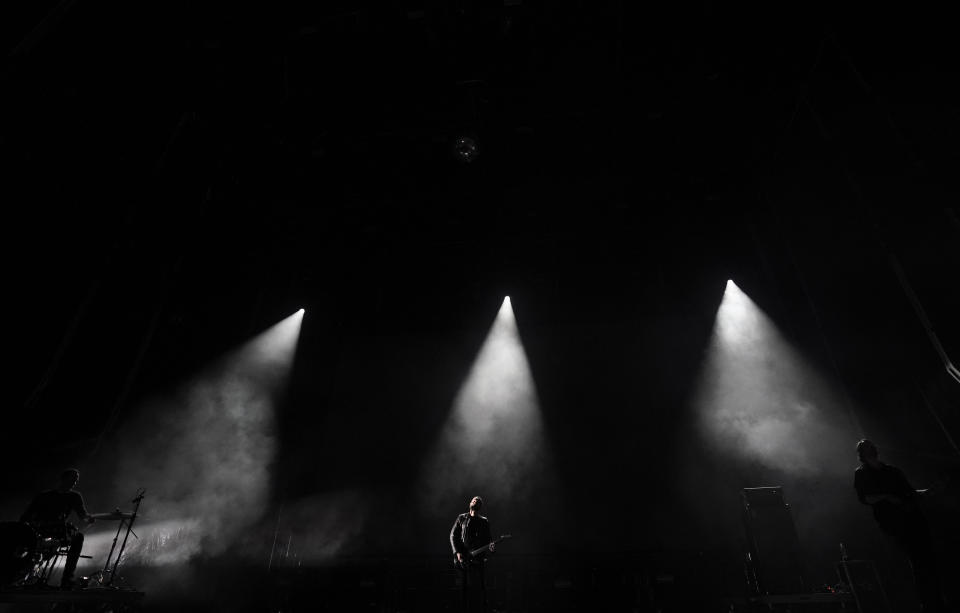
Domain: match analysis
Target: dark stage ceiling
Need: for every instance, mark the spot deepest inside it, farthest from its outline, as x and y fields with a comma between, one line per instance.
x=179, y=175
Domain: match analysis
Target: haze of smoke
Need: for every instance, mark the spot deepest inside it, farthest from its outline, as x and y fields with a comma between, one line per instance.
x=493, y=442
x=758, y=399
x=316, y=529
x=158, y=543
x=204, y=454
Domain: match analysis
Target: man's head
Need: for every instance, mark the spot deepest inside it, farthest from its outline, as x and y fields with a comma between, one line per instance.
x=867, y=452
x=69, y=479
x=476, y=503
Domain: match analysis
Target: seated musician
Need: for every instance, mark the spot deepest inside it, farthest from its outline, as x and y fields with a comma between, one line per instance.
x=48, y=514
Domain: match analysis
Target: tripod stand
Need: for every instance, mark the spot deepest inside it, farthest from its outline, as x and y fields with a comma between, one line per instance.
x=126, y=521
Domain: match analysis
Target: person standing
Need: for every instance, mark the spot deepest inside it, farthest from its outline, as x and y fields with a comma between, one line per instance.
x=471, y=531
x=895, y=505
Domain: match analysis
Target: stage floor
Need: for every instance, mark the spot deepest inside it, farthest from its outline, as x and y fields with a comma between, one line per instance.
x=90, y=595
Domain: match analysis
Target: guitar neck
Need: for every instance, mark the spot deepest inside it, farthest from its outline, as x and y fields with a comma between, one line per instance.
x=480, y=550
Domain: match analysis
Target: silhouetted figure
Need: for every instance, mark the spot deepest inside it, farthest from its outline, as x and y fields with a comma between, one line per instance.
x=895, y=507
x=48, y=514
x=470, y=532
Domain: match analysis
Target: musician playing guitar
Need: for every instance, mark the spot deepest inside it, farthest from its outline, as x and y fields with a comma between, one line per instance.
x=896, y=509
x=470, y=532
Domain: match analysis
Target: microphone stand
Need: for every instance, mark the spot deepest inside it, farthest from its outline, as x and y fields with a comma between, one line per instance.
x=128, y=523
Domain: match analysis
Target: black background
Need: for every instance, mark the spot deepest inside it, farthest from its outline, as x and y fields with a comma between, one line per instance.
x=179, y=176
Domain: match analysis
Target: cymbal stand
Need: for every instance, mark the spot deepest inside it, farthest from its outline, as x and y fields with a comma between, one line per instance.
x=111, y=573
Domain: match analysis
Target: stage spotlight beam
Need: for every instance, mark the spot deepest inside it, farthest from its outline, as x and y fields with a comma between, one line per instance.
x=206, y=450
x=757, y=397
x=493, y=440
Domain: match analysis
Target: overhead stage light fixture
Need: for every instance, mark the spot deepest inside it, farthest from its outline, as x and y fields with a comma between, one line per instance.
x=466, y=149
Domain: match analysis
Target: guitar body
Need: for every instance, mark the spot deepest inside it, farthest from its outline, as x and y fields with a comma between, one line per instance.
x=475, y=557
x=467, y=563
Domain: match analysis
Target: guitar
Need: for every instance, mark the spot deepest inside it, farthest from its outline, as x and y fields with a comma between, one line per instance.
x=470, y=558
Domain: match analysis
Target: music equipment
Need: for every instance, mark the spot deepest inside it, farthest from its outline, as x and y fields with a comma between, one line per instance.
x=117, y=515
x=107, y=575
x=28, y=552
x=18, y=552
x=473, y=557
x=795, y=603
x=773, y=556
x=864, y=584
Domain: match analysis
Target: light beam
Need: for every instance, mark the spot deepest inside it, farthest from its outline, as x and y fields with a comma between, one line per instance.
x=204, y=453
x=758, y=399
x=492, y=443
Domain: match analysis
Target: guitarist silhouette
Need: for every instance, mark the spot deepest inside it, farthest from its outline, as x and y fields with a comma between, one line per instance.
x=896, y=508
x=471, y=541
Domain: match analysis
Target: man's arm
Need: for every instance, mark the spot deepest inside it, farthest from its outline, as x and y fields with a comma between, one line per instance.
x=456, y=541
x=904, y=489
x=870, y=499
x=80, y=509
